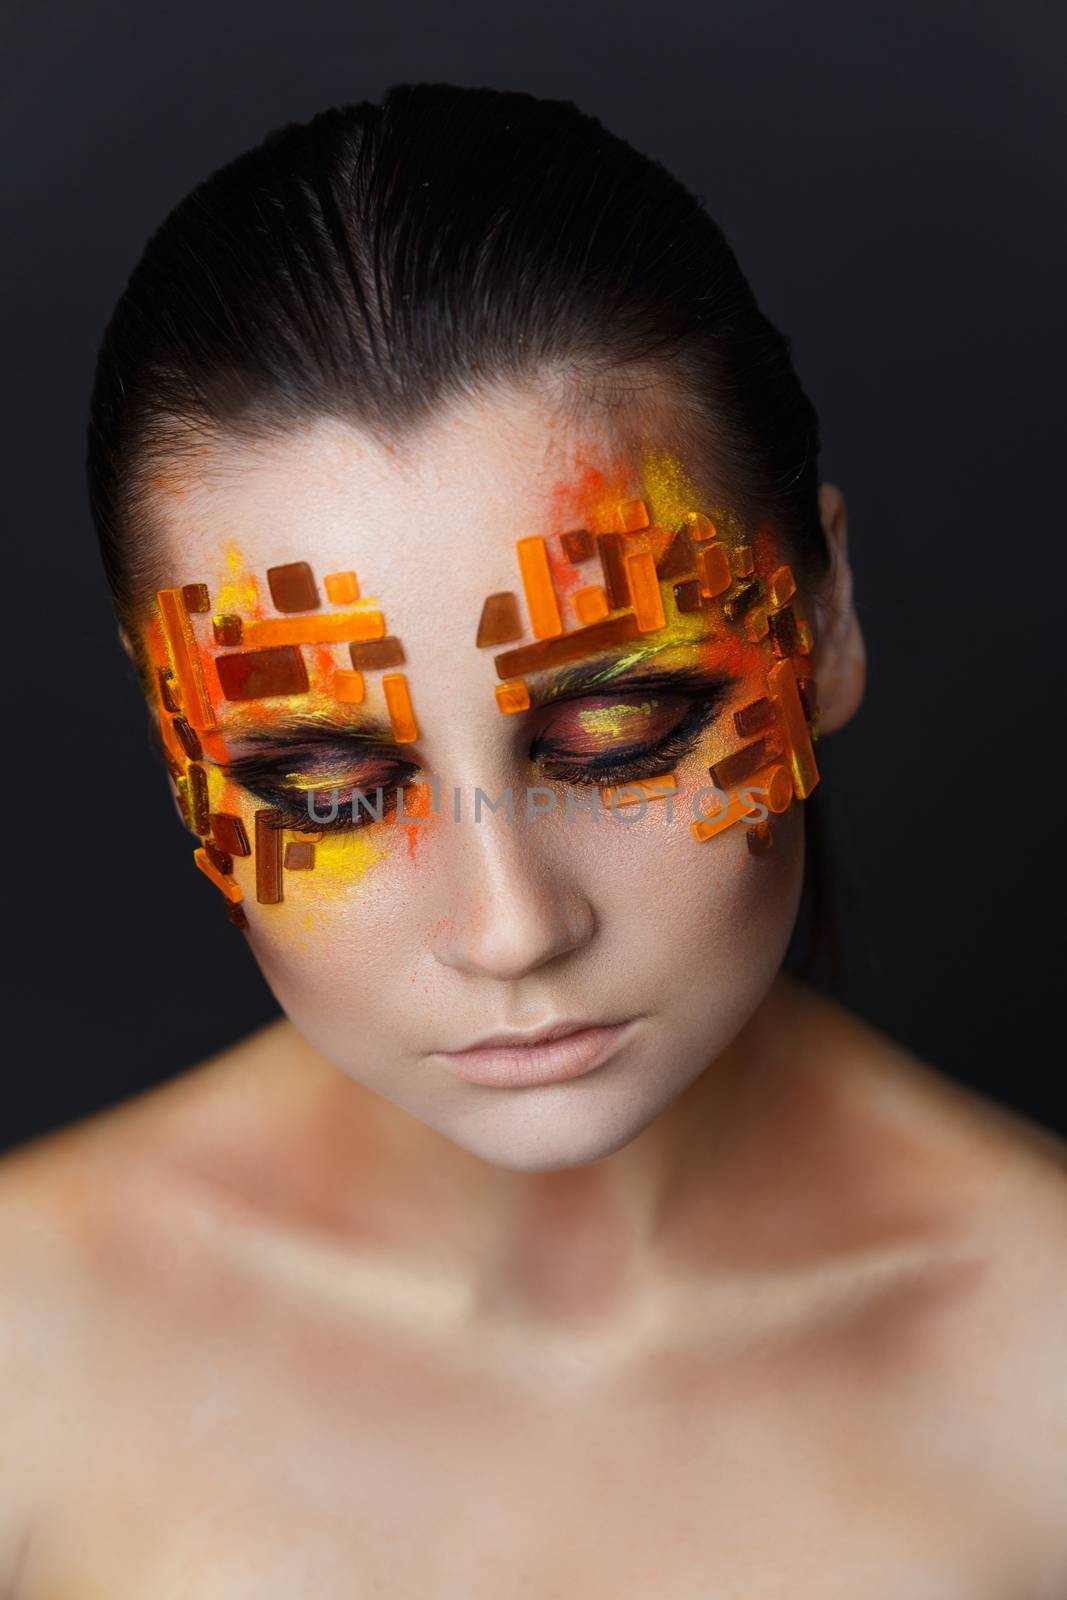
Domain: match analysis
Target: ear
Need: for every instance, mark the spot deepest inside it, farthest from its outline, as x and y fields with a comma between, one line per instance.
x=124, y=641
x=839, y=657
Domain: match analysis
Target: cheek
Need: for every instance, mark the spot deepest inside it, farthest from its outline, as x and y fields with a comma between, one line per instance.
x=342, y=951
x=306, y=889
x=743, y=911
x=695, y=931
x=704, y=914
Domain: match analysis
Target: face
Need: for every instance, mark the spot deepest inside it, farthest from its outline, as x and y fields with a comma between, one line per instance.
x=363, y=650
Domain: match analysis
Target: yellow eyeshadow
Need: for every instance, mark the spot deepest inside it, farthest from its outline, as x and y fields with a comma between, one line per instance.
x=607, y=722
x=304, y=781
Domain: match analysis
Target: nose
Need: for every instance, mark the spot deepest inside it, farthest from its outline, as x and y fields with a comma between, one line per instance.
x=512, y=907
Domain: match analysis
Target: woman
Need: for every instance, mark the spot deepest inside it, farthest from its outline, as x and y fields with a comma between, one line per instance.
x=463, y=518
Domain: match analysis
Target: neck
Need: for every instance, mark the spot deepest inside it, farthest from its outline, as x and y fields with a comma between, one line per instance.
x=571, y=1248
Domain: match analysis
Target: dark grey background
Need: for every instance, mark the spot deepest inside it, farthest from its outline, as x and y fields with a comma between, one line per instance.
x=892, y=178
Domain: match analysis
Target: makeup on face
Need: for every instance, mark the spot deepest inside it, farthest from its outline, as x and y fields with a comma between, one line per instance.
x=222, y=675
x=690, y=579
x=618, y=647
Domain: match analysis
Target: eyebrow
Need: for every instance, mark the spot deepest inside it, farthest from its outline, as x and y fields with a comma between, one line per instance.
x=624, y=672
x=584, y=677
x=317, y=726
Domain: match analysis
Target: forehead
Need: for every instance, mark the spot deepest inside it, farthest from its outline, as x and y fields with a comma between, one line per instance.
x=430, y=519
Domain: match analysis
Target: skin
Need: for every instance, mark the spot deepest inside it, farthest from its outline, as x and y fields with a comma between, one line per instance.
x=491, y=925
x=761, y=1306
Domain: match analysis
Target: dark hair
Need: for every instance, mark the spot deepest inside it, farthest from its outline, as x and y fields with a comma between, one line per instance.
x=378, y=260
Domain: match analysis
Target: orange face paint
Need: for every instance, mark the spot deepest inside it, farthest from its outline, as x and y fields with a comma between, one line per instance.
x=621, y=572
x=212, y=649
x=672, y=569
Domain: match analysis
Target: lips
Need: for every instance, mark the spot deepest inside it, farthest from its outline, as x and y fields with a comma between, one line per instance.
x=509, y=1038
x=553, y=1053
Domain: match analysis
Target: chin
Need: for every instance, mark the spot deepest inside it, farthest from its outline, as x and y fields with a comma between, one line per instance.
x=537, y=1149
x=556, y=1126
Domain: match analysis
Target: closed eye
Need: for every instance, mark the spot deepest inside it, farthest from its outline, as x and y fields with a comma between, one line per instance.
x=619, y=737
x=305, y=784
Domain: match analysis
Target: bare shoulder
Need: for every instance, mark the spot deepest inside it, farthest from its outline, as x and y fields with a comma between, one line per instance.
x=65, y=1195
x=858, y=1072
x=986, y=1356
x=76, y=1206
x=985, y=1170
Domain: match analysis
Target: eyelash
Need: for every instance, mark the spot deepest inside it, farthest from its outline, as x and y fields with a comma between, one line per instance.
x=260, y=782
x=641, y=761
